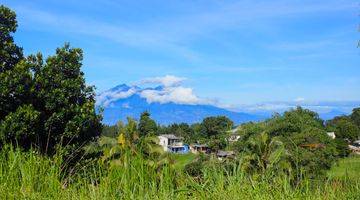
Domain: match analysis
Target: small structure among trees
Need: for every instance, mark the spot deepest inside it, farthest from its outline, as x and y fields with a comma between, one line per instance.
x=172, y=143
x=225, y=154
x=331, y=135
x=197, y=148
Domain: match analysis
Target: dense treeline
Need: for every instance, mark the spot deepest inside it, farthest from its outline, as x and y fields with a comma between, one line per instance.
x=295, y=143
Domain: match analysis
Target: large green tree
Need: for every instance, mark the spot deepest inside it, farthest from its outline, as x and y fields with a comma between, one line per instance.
x=355, y=116
x=10, y=53
x=67, y=105
x=212, y=126
x=147, y=126
x=344, y=128
x=44, y=103
x=14, y=75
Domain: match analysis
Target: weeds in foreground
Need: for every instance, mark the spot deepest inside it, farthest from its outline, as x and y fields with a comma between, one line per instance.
x=27, y=175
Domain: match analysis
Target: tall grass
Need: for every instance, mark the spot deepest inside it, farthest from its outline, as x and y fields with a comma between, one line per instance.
x=27, y=175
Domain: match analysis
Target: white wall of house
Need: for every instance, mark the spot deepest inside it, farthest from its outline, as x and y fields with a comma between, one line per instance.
x=164, y=142
x=331, y=134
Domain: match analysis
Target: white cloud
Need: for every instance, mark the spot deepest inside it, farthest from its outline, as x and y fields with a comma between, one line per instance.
x=106, y=98
x=166, y=81
x=171, y=92
x=177, y=94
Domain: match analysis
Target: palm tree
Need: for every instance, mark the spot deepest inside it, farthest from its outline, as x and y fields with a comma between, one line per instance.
x=265, y=155
x=117, y=151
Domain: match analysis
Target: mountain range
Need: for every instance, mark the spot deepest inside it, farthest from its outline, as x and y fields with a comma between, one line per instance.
x=175, y=104
x=125, y=101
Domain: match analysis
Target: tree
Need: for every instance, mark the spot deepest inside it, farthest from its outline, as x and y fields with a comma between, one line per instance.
x=246, y=131
x=302, y=134
x=266, y=155
x=147, y=126
x=10, y=53
x=293, y=121
x=182, y=130
x=59, y=108
x=109, y=131
x=67, y=105
x=212, y=126
x=344, y=128
x=14, y=84
x=131, y=131
x=21, y=126
x=355, y=116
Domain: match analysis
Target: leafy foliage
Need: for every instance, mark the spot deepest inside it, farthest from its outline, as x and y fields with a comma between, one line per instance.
x=265, y=155
x=10, y=53
x=344, y=128
x=21, y=126
x=52, y=95
x=298, y=137
x=147, y=126
x=212, y=126
x=355, y=116
x=14, y=75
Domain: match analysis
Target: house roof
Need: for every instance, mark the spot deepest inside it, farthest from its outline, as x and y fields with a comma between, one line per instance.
x=171, y=136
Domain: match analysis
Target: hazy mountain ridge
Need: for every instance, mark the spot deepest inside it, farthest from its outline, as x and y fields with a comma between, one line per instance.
x=119, y=103
x=125, y=101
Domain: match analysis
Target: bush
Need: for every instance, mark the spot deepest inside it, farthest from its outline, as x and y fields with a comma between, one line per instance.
x=194, y=168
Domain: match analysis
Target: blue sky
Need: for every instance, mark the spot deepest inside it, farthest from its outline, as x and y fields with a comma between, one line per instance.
x=237, y=52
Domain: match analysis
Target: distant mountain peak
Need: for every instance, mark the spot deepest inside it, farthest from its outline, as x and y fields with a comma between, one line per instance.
x=167, y=104
x=121, y=87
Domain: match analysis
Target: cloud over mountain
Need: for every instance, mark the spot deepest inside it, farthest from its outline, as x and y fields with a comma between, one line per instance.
x=166, y=81
x=170, y=101
x=169, y=89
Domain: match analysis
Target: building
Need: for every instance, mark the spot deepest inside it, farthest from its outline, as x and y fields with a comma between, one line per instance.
x=196, y=148
x=331, y=134
x=225, y=154
x=172, y=143
x=234, y=136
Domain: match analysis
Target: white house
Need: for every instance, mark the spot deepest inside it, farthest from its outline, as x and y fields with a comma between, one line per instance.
x=331, y=134
x=234, y=136
x=172, y=143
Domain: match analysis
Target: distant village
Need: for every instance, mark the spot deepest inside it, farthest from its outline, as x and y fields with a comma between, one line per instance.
x=174, y=144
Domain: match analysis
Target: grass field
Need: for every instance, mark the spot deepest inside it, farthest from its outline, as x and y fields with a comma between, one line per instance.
x=31, y=176
x=182, y=159
x=347, y=168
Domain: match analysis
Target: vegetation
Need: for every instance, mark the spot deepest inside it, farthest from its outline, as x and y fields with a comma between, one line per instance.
x=347, y=168
x=53, y=145
x=44, y=103
x=28, y=175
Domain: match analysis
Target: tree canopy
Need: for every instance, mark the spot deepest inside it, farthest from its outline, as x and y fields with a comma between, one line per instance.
x=212, y=126
x=147, y=125
x=44, y=103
